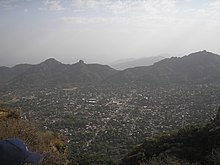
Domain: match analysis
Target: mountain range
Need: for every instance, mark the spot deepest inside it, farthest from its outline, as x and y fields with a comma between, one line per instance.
x=52, y=72
x=131, y=63
x=199, y=67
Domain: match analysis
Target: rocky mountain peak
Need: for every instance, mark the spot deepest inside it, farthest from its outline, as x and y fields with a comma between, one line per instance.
x=81, y=62
x=50, y=61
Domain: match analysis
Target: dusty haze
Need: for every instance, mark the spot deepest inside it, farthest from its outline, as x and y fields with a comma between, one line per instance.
x=104, y=31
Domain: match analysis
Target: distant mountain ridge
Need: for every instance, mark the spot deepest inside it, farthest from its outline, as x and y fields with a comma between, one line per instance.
x=131, y=63
x=53, y=72
x=199, y=67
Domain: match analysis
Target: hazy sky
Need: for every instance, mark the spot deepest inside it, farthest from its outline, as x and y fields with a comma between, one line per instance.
x=105, y=30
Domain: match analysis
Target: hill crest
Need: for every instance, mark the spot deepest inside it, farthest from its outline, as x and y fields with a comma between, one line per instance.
x=53, y=72
x=199, y=67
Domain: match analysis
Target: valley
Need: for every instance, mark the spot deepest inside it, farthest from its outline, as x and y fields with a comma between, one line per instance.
x=111, y=120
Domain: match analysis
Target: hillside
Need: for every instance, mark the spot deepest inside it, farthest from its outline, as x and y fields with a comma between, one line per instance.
x=50, y=145
x=195, y=144
x=52, y=72
x=147, y=61
x=199, y=67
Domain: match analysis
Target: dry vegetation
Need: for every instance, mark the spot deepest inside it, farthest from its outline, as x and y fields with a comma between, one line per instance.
x=52, y=146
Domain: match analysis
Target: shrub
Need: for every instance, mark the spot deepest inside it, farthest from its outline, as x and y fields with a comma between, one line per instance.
x=215, y=157
x=166, y=161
